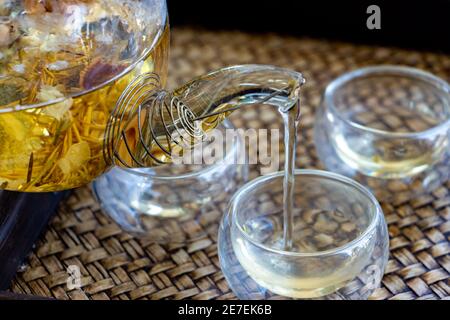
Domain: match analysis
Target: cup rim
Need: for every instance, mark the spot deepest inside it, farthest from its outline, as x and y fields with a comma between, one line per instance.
x=227, y=125
x=404, y=71
x=232, y=211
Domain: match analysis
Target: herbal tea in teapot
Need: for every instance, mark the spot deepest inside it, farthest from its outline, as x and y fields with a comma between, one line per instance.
x=63, y=64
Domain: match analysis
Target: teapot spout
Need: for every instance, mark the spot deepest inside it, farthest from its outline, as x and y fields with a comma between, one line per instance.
x=149, y=123
x=234, y=87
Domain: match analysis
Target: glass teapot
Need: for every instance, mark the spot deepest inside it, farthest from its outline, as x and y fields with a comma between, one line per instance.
x=81, y=90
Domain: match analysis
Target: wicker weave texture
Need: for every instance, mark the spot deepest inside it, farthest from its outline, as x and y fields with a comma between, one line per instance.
x=116, y=265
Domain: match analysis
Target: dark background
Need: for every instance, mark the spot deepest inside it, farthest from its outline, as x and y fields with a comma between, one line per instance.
x=421, y=25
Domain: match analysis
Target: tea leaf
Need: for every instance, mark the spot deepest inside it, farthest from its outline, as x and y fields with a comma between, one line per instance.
x=30, y=168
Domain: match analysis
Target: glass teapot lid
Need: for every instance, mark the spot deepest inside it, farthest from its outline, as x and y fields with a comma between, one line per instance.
x=54, y=49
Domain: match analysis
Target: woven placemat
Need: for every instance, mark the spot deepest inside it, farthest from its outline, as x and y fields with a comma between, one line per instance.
x=116, y=265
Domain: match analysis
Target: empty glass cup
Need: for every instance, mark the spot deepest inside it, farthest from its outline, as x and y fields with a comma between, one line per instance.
x=340, y=239
x=387, y=127
x=175, y=203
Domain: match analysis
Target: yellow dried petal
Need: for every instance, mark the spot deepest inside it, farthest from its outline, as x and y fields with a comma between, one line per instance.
x=48, y=93
x=14, y=127
x=58, y=110
x=64, y=165
x=77, y=156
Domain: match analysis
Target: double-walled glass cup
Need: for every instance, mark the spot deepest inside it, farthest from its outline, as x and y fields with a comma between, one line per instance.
x=387, y=127
x=340, y=239
x=175, y=203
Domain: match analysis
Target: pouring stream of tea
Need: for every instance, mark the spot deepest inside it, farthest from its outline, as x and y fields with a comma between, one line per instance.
x=290, y=119
x=291, y=123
